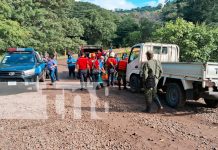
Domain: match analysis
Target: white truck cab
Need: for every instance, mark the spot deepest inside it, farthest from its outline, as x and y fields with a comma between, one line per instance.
x=180, y=80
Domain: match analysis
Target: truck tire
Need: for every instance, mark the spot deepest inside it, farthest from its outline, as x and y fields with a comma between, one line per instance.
x=211, y=103
x=175, y=95
x=43, y=77
x=36, y=86
x=134, y=84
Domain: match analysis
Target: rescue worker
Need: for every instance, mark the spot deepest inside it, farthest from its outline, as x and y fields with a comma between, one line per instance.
x=152, y=71
x=99, y=54
x=102, y=70
x=111, y=68
x=51, y=67
x=94, y=69
x=71, y=62
x=122, y=65
x=83, y=66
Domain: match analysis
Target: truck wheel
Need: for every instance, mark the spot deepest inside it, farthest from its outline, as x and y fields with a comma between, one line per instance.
x=43, y=77
x=134, y=84
x=36, y=86
x=175, y=95
x=211, y=103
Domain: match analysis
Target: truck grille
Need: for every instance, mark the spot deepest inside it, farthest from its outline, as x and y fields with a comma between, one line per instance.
x=10, y=73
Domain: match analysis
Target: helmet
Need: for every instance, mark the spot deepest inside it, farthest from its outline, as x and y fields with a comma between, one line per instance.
x=107, y=54
x=112, y=54
x=92, y=55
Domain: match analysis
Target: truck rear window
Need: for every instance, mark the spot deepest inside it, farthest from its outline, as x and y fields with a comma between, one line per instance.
x=18, y=58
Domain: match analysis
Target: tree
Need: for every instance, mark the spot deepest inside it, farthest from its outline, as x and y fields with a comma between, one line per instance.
x=125, y=27
x=196, y=11
x=133, y=38
x=197, y=42
x=147, y=27
x=12, y=34
x=201, y=11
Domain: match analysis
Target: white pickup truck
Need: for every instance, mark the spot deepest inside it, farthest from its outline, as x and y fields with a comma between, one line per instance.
x=180, y=80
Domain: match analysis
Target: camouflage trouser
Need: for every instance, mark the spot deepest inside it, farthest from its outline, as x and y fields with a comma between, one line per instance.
x=150, y=95
x=121, y=76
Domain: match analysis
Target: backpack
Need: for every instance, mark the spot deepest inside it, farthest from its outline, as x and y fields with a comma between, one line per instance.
x=150, y=81
x=94, y=70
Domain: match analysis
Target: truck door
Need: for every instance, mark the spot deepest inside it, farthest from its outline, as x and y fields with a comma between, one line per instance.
x=133, y=61
x=40, y=65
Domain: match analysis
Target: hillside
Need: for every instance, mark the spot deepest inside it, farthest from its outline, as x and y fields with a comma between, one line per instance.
x=66, y=24
x=149, y=12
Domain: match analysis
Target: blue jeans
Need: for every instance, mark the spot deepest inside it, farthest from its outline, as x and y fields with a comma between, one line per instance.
x=110, y=76
x=72, y=71
x=52, y=75
x=95, y=78
x=83, y=78
x=56, y=73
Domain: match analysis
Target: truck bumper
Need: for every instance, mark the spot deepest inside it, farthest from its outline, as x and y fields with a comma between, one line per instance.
x=210, y=95
x=21, y=80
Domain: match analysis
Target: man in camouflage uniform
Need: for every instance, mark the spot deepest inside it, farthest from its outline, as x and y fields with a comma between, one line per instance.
x=153, y=67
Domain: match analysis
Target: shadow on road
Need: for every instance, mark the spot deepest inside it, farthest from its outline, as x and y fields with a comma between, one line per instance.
x=14, y=90
x=125, y=101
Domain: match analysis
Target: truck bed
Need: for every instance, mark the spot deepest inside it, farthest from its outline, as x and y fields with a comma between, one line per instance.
x=191, y=71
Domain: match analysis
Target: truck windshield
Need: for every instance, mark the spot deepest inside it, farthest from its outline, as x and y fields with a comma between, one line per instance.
x=18, y=58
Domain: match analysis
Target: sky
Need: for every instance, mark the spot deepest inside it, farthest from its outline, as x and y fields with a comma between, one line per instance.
x=124, y=4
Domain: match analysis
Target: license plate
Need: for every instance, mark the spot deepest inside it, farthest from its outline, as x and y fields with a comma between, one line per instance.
x=12, y=83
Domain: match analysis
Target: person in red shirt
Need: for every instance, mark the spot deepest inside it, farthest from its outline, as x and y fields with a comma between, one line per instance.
x=111, y=68
x=83, y=66
x=99, y=54
x=122, y=65
x=94, y=69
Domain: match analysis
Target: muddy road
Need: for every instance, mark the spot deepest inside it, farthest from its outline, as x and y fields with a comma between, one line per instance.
x=67, y=118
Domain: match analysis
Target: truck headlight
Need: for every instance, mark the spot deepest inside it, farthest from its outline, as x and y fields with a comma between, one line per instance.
x=29, y=72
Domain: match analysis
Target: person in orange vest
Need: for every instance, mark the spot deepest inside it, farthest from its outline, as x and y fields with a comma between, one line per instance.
x=94, y=69
x=122, y=65
x=83, y=67
x=111, y=68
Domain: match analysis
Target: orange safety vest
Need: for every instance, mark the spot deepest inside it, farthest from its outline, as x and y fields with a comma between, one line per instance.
x=122, y=65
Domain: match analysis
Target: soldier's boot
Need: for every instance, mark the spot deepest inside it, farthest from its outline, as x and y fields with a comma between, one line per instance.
x=119, y=86
x=124, y=86
x=119, y=83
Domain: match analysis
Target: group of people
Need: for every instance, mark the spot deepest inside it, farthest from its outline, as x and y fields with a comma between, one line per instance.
x=52, y=67
x=93, y=66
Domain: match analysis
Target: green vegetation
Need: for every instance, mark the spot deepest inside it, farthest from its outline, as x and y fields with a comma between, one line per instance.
x=197, y=42
x=59, y=25
x=54, y=25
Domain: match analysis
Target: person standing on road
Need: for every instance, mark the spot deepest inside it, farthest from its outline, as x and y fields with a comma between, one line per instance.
x=152, y=71
x=56, y=67
x=94, y=69
x=102, y=70
x=83, y=66
x=71, y=62
x=122, y=72
x=111, y=68
x=51, y=67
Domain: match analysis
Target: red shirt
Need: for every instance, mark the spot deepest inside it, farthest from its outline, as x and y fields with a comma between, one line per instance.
x=122, y=65
x=111, y=60
x=83, y=62
x=94, y=62
x=99, y=55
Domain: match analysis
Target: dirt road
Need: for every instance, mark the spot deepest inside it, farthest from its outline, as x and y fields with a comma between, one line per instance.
x=51, y=119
